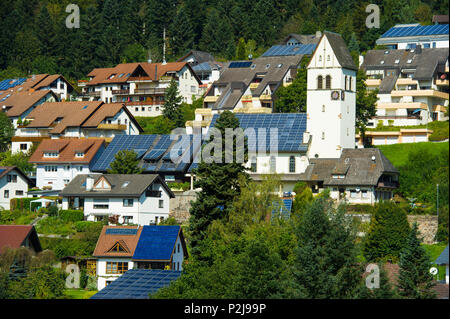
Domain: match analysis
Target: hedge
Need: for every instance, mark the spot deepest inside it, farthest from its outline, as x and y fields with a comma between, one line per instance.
x=22, y=203
x=71, y=215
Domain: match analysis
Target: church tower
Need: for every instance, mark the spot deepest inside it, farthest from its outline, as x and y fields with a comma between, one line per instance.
x=331, y=98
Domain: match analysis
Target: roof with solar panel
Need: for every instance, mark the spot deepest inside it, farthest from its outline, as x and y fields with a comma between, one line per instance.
x=137, y=284
x=415, y=32
x=282, y=208
x=157, y=153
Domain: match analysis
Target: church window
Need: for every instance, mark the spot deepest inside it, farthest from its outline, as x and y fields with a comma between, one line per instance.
x=345, y=84
x=350, y=83
x=323, y=135
x=328, y=82
x=323, y=108
x=319, y=82
x=292, y=164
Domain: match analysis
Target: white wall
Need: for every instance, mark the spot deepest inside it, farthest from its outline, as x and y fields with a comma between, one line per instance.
x=101, y=270
x=20, y=185
x=59, y=179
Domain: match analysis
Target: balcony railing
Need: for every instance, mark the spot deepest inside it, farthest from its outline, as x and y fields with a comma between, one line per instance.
x=430, y=93
x=121, y=92
x=105, y=126
x=150, y=91
x=143, y=103
x=387, y=184
x=92, y=93
x=398, y=117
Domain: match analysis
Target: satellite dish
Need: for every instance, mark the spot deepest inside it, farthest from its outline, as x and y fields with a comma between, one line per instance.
x=433, y=271
x=250, y=56
x=373, y=158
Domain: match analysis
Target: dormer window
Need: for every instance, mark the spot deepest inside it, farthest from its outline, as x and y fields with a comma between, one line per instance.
x=79, y=154
x=409, y=61
x=382, y=62
x=111, y=76
x=51, y=154
x=397, y=61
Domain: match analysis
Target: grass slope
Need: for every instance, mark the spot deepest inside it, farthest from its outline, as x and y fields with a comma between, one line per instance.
x=398, y=153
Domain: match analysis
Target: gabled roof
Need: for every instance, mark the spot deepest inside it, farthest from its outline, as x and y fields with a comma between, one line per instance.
x=199, y=56
x=122, y=185
x=443, y=257
x=14, y=236
x=340, y=50
x=67, y=149
x=20, y=102
x=157, y=243
x=356, y=164
x=137, y=284
x=303, y=38
x=4, y=170
x=126, y=236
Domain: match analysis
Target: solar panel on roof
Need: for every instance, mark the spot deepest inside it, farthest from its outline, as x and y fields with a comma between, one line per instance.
x=121, y=231
x=235, y=65
x=156, y=243
x=137, y=284
x=416, y=30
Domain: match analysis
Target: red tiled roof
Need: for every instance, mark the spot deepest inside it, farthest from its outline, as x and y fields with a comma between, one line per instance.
x=67, y=148
x=20, y=102
x=106, y=242
x=13, y=236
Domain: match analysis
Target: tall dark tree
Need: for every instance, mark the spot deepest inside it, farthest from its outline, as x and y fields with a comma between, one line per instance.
x=217, y=37
x=172, y=105
x=125, y=162
x=6, y=131
x=365, y=103
x=415, y=280
x=219, y=182
x=182, y=34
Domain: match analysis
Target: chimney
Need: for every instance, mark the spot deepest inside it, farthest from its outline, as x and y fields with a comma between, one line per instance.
x=318, y=34
x=419, y=49
x=89, y=183
x=156, y=72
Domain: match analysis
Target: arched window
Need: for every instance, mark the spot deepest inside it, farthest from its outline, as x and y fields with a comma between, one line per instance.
x=328, y=82
x=350, y=83
x=319, y=82
x=345, y=84
x=292, y=164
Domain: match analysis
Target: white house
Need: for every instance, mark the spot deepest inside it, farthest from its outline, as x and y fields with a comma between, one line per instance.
x=141, y=86
x=121, y=248
x=141, y=199
x=58, y=161
x=13, y=184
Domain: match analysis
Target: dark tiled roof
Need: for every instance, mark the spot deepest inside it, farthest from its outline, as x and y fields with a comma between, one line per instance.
x=199, y=56
x=443, y=257
x=340, y=50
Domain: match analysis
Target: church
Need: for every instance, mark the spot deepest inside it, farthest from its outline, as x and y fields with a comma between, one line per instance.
x=318, y=147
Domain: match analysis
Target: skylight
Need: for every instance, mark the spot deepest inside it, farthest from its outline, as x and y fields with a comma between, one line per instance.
x=125, y=184
x=409, y=61
x=397, y=61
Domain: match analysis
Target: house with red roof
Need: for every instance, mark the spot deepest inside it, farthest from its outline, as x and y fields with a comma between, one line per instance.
x=16, y=236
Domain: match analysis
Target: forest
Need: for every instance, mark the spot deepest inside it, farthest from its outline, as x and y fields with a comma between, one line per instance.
x=35, y=39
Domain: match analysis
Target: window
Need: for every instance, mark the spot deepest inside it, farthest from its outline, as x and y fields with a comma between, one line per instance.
x=6, y=193
x=348, y=131
x=157, y=108
x=23, y=147
x=66, y=181
x=51, y=154
x=350, y=83
x=328, y=57
x=79, y=154
x=50, y=168
x=161, y=203
x=67, y=167
x=364, y=194
x=353, y=193
x=319, y=82
x=320, y=58
x=80, y=168
x=101, y=206
x=178, y=247
x=127, y=219
x=117, y=248
x=292, y=164
x=143, y=109
x=323, y=108
x=323, y=135
x=253, y=165
x=116, y=267
x=193, y=89
x=136, y=109
x=345, y=84
x=273, y=164
x=128, y=202
x=12, y=178
x=328, y=82
x=149, y=108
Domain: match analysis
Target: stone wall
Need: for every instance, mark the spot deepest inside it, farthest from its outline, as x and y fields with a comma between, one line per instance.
x=428, y=226
x=180, y=205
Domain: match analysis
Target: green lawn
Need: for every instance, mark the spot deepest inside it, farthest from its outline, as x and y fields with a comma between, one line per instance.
x=440, y=129
x=79, y=293
x=434, y=251
x=398, y=153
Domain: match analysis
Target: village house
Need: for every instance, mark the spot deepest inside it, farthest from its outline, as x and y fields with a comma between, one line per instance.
x=13, y=184
x=141, y=87
x=16, y=236
x=58, y=161
x=141, y=199
x=412, y=84
x=123, y=248
x=409, y=36
x=75, y=120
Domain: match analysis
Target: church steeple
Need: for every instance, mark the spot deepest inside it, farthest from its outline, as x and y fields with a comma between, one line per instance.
x=331, y=98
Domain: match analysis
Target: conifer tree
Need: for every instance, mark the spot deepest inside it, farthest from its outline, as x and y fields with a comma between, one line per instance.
x=172, y=105
x=219, y=183
x=125, y=162
x=415, y=280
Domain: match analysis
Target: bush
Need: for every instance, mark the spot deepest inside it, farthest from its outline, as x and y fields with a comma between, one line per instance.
x=71, y=215
x=360, y=208
x=22, y=203
x=55, y=225
x=85, y=226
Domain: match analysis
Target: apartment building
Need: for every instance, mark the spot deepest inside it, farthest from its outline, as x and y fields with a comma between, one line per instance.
x=413, y=85
x=141, y=87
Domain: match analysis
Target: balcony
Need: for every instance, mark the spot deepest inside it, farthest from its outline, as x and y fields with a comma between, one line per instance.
x=121, y=92
x=150, y=91
x=254, y=85
x=406, y=81
x=143, y=103
x=403, y=105
x=398, y=117
x=152, y=193
x=265, y=97
x=37, y=139
x=92, y=93
x=373, y=82
x=387, y=184
x=119, y=127
x=246, y=99
x=211, y=99
x=442, y=82
x=423, y=93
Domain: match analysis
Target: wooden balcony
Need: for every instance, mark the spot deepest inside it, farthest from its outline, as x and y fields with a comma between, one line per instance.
x=406, y=81
x=155, y=91
x=211, y=99
x=373, y=82
x=442, y=82
x=402, y=105
x=398, y=117
x=387, y=184
x=119, y=127
x=265, y=97
x=121, y=92
x=151, y=193
x=143, y=103
x=94, y=93
x=29, y=138
x=254, y=85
